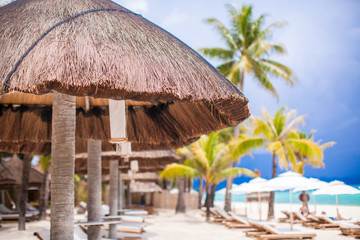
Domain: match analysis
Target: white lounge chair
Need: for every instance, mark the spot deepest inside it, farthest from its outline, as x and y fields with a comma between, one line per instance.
x=266, y=231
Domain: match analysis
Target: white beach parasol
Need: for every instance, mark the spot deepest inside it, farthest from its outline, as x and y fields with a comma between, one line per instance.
x=255, y=185
x=223, y=190
x=336, y=188
x=315, y=184
x=287, y=181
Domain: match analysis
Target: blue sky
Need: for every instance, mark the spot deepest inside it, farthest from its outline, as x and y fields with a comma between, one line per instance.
x=323, y=42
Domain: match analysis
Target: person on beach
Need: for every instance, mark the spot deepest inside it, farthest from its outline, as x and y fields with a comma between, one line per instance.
x=304, y=198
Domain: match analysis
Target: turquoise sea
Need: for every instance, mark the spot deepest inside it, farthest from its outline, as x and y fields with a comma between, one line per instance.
x=284, y=197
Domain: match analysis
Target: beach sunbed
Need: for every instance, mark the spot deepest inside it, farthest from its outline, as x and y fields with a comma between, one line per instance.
x=221, y=215
x=257, y=229
x=129, y=227
x=119, y=235
x=308, y=221
x=137, y=212
x=79, y=234
x=350, y=229
x=286, y=218
x=326, y=222
x=9, y=215
x=238, y=222
x=279, y=233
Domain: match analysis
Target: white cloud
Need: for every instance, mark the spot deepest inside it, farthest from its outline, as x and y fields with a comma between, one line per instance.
x=138, y=6
x=176, y=17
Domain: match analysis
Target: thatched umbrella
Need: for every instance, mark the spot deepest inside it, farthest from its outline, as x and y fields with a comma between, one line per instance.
x=11, y=172
x=154, y=161
x=97, y=48
x=16, y=173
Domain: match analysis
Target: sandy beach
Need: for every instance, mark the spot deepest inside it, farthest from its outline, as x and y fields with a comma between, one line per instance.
x=165, y=225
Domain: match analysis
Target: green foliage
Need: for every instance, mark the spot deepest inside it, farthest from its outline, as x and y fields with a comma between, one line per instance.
x=44, y=161
x=211, y=159
x=282, y=137
x=248, y=49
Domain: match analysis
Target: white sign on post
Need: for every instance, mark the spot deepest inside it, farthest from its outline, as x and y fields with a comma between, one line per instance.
x=117, y=112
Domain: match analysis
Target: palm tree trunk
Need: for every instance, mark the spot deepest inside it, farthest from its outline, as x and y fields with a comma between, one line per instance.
x=229, y=181
x=62, y=166
x=180, y=206
x=114, y=171
x=24, y=187
x=44, y=197
x=271, y=199
x=201, y=192
x=212, y=195
x=94, y=188
x=207, y=201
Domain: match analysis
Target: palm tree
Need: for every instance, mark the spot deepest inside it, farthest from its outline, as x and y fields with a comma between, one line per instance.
x=281, y=138
x=302, y=160
x=44, y=163
x=248, y=50
x=210, y=160
x=62, y=166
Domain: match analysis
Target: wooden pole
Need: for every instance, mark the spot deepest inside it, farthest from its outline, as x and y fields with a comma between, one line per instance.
x=114, y=172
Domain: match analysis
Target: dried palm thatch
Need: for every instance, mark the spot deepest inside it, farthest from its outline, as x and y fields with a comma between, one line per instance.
x=139, y=177
x=26, y=124
x=97, y=48
x=144, y=187
x=11, y=173
x=44, y=148
x=148, y=161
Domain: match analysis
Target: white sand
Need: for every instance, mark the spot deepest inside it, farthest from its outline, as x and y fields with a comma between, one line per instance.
x=166, y=225
x=252, y=209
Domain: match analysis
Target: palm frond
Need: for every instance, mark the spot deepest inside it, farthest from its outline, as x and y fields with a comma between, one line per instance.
x=217, y=52
x=178, y=170
x=278, y=70
x=306, y=148
x=226, y=68
x=241, y=146
x=200, y=156
x=326, y=145
x=263, y=79
x=224, y=32
x=293, y=124
x=235, y=172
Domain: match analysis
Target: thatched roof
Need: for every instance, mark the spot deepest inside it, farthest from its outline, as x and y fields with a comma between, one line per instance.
x=148, y=161
x=98, y=48
x=144, y=187
x=11, y=174
x=139, y=177
x=108, y=153
x=80, y=147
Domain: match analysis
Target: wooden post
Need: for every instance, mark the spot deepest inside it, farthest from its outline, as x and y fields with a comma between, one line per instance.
x=114, y=171
x=129, y=194
x=24, y=187
x=121, y=192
